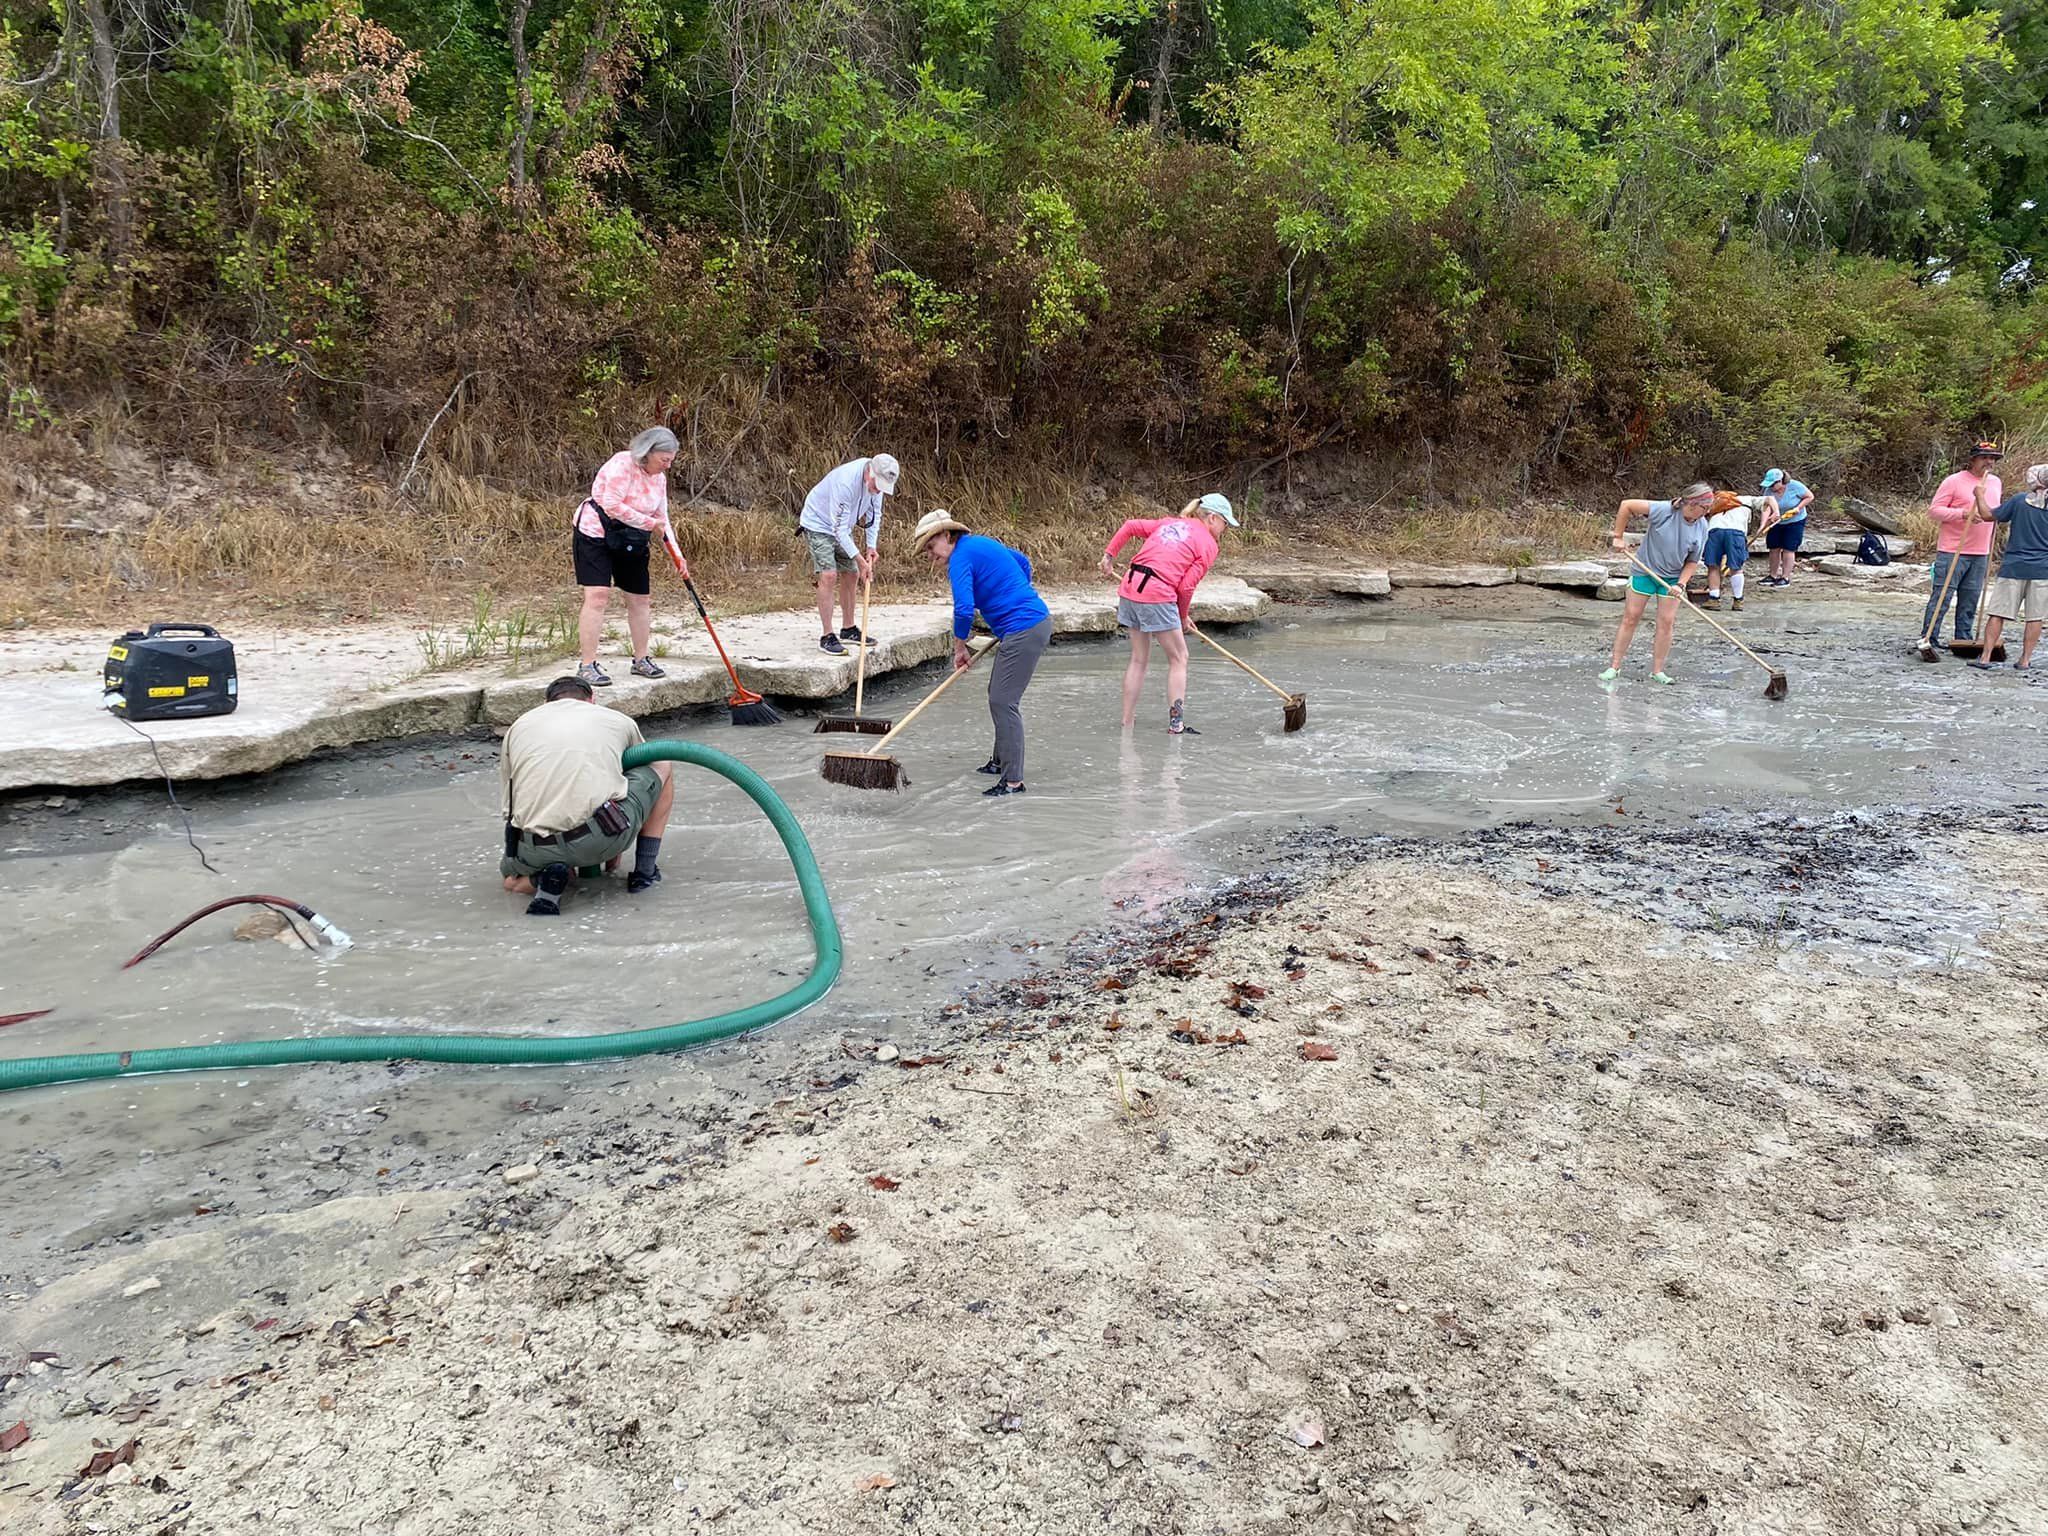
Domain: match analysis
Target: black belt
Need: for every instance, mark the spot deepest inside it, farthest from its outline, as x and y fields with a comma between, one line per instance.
x=554, y=839
x=1144, y=573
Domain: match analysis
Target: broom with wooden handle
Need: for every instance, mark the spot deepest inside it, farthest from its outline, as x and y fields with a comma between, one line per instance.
x=858, y=723
x=874, y=769
x=1777, y=687
x=1294, y=710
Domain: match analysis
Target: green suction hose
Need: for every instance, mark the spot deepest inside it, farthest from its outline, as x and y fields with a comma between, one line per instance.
x=828, y=953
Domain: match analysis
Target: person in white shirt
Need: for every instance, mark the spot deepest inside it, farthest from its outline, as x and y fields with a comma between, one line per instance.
x=846, y=500
x=1728, y=541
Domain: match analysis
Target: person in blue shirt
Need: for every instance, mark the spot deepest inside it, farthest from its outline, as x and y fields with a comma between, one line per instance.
x=989, y=576
x=1785, y=525
x=2020, y=595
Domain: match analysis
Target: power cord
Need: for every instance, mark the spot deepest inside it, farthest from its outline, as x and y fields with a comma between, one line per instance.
x=172, y=790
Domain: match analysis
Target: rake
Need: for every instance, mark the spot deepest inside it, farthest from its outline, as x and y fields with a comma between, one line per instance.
x=1777, y=687
x=874, y=769
x=1294, y=706
x=863, y=725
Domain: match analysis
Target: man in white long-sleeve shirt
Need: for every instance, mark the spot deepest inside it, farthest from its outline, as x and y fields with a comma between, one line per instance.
x=847, y=501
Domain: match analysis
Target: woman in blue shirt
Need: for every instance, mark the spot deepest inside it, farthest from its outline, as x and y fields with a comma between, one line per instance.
x=1785, y=527
x=990, y=576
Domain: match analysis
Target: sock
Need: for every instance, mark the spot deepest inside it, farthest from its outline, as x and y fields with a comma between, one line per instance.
x=1735, y=585
x=1714, y=592
x=644, y=854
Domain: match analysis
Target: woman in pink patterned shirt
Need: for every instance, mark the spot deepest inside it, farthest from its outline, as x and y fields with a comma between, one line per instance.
x=616, y=528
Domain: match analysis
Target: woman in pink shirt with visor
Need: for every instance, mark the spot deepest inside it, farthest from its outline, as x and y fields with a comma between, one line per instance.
x=1158, y=591
x=1965, y=538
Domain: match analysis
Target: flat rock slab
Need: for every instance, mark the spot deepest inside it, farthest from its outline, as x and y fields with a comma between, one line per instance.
x=305, y=690
x=1295, y=580
x=1612, y=590
x=1571, y=575
x=1843, y=565
x=1450, y=575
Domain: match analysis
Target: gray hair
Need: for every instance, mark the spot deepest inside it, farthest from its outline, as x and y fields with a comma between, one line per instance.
x=1697, y=488
x=653, y=440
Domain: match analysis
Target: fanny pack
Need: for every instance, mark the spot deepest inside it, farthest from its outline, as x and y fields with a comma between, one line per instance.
x=621, y=538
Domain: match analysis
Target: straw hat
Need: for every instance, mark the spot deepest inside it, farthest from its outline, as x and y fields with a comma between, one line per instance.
x=932, y=524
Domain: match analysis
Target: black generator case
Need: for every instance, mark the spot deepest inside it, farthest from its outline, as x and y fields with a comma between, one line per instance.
x=171, y=672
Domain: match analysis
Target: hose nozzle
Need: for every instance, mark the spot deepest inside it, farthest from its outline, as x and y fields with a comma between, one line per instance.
x=336, y=939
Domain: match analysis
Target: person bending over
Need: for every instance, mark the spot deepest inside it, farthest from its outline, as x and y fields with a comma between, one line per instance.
x=567, y=801
x=1727, y=547
x=995, y=579
x=848, y=499
x=1784, y=525
x=1671, y=549
x=1156, y=599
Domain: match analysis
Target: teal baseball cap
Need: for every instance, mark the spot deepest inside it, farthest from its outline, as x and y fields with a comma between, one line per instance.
x=1773, y=478
x=1219, y=504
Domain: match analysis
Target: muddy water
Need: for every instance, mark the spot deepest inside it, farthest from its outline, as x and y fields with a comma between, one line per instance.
x=1430, y=719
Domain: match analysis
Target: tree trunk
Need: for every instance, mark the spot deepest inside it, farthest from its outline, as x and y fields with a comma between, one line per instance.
x=522, y=79
x=1162, y=66
x=109, y=153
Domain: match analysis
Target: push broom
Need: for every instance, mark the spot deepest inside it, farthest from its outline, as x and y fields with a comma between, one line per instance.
x=1777, y=687
x=1976, y=647
x=1928, y=651
x=748, y=707
x=1294, y=710
x=858, y=723
x=874, y=769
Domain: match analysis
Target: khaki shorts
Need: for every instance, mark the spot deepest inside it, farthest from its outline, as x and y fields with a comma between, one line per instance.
x=2016, y=601
x=826, y=555
x=643, y=788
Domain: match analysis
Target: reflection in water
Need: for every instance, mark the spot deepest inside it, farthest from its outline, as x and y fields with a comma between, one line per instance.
x=1154, y=871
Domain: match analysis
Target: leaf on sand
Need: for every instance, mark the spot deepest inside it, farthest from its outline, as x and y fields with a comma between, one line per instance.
x=840, y=1232
x=1110, y=984
x=873, y=1481
x=1315, y=1050
x=910, y=1063
x=882, y=1181
x=14, y=1438
x=104, y=1462
x=1307, y=1434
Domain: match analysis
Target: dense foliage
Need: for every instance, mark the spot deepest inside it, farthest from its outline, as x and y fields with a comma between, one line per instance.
x=1573, y=237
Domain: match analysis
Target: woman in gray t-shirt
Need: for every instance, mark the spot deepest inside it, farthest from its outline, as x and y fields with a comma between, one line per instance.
x=1671, y=548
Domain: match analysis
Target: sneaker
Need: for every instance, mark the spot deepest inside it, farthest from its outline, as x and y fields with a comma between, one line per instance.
x=637, y=882
x=830, y=645
x=644, y=666
x=1610, y=674
x=1663, y=677
x=591, y=673
x=853, y=635
x=991, y=768
x=1176, y=722
x=1001, y=789
x=547, y=892
x=1736, y=606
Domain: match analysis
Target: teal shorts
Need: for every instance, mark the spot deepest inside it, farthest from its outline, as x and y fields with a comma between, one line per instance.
x=643, y=788
x=1648, y=586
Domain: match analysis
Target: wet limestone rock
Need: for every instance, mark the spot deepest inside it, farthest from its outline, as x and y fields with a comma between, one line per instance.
x=1295, y=580
x=1450, y=575
x=1612, y=590
x=1571, y=575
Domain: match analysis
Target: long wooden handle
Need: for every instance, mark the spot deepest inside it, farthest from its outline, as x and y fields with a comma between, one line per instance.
x=1955, y=563
x=1246, y=666
x=929, y=699
x=1726, y=634
x=860, y=673
x=1991, y=559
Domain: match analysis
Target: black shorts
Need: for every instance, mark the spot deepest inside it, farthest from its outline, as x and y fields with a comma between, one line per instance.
x=598, y=566
x=1786, y=535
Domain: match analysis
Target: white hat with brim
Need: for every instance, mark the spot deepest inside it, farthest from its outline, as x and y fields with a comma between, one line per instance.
x=886, y=470
x=932, y=524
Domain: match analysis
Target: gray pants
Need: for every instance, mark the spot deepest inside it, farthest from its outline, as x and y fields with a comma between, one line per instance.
x=1968, y=588
x=1016, y=659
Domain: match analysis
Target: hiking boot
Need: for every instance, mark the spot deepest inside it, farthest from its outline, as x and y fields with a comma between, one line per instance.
x=644, y=666
x=591, y=673
x=547, y=892
x=637, y=882
x=852, y=635
x=1736, y=606
x=830, y=645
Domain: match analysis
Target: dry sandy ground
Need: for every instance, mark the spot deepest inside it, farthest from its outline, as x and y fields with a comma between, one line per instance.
x=1562, y=1240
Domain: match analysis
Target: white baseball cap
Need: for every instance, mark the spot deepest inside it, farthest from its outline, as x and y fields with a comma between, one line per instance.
x=886, y=470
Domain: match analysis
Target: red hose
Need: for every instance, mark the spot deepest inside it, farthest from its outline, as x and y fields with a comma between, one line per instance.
x=233, y=901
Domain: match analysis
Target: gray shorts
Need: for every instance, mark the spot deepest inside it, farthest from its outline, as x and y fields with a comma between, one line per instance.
x=826, y=555
x=643, y=788
x=1151, y=618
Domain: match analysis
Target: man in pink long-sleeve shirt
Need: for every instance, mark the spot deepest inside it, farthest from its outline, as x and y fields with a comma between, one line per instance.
x=1965, y=540
x=1157, y=595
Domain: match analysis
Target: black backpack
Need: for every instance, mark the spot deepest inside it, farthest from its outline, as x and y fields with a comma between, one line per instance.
x=1871, y=549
